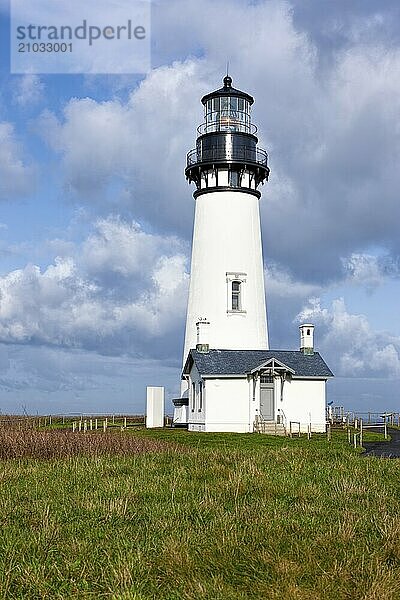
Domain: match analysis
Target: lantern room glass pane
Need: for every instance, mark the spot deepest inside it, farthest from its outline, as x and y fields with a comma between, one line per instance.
x=227, y=113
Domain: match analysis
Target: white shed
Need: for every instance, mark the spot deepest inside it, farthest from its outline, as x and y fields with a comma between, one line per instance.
x=250, y=390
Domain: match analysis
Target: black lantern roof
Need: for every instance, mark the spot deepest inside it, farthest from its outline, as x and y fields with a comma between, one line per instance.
x=227, y=90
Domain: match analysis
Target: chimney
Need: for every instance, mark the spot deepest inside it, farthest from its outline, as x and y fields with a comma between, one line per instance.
x=307, y=338
x=203, y=328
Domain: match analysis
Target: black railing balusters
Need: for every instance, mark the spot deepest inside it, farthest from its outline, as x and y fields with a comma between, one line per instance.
x=240, y=153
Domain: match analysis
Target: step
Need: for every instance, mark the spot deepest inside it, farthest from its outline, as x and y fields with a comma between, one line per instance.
x=270, y=428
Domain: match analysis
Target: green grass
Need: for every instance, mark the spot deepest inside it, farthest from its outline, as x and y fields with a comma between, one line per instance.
x=227, y=517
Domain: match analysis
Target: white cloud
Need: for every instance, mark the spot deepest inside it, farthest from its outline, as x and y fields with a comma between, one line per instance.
x=16, y=177
x=124, y=248
x=80, y=301
x=350, y=344
x=135, y=151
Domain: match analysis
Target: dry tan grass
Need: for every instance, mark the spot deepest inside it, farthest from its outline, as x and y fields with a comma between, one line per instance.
x=31, y=443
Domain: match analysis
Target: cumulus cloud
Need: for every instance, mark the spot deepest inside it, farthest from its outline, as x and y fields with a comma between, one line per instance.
x=134, y=150
x=350, y=344
x=16, y=176
x=82, y=301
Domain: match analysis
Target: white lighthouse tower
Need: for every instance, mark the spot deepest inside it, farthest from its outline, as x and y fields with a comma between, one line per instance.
x=226, y=307
x=231, y=381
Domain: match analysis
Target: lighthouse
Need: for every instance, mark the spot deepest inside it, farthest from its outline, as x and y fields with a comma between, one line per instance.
x=231, y=380
x=226, y=306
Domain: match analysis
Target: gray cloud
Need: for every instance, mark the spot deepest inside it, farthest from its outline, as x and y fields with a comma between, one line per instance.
x=54, y=380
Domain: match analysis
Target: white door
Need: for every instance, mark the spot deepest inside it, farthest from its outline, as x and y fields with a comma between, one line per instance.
x=267, y=403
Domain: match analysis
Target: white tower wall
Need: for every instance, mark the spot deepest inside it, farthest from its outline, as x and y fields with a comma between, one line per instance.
x=227, y=247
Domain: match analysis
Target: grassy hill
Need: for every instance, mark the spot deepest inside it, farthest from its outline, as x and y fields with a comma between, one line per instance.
x=177, y=515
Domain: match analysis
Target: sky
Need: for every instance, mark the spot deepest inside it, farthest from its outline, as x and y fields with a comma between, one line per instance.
x=96, y=216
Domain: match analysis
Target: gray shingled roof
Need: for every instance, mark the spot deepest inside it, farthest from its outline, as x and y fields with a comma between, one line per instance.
x=240, y=362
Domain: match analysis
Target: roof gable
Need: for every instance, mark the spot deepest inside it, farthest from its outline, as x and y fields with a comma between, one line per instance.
x=274, y=363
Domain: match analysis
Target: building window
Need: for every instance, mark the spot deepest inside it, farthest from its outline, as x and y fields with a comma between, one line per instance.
x=193, y=396
x=236, y=293
x=200, y=396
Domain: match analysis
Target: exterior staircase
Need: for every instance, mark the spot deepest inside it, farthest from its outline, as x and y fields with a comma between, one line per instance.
x=269, y=427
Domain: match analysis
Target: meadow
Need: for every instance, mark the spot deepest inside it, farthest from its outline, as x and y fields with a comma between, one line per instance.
x=168, y=514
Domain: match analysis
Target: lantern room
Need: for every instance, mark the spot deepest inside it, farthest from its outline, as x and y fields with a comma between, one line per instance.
x=226, y=153
x=227, y=110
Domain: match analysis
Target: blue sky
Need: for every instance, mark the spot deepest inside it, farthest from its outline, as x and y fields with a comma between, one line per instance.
x=96, y=216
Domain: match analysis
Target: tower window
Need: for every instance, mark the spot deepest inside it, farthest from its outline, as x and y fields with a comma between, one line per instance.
x=236, y=292
x=236, y=295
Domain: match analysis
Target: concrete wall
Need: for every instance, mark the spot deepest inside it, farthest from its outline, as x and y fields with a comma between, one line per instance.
x=155, y=407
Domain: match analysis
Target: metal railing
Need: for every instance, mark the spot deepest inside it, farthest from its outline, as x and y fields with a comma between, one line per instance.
x=361, y=427
x=281, y=417
x=237, y=153
x=291, y=428
x=337, y=415
x=227, y=125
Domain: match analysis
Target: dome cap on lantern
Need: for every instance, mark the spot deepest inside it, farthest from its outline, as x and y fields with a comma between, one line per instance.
x=227, y=90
